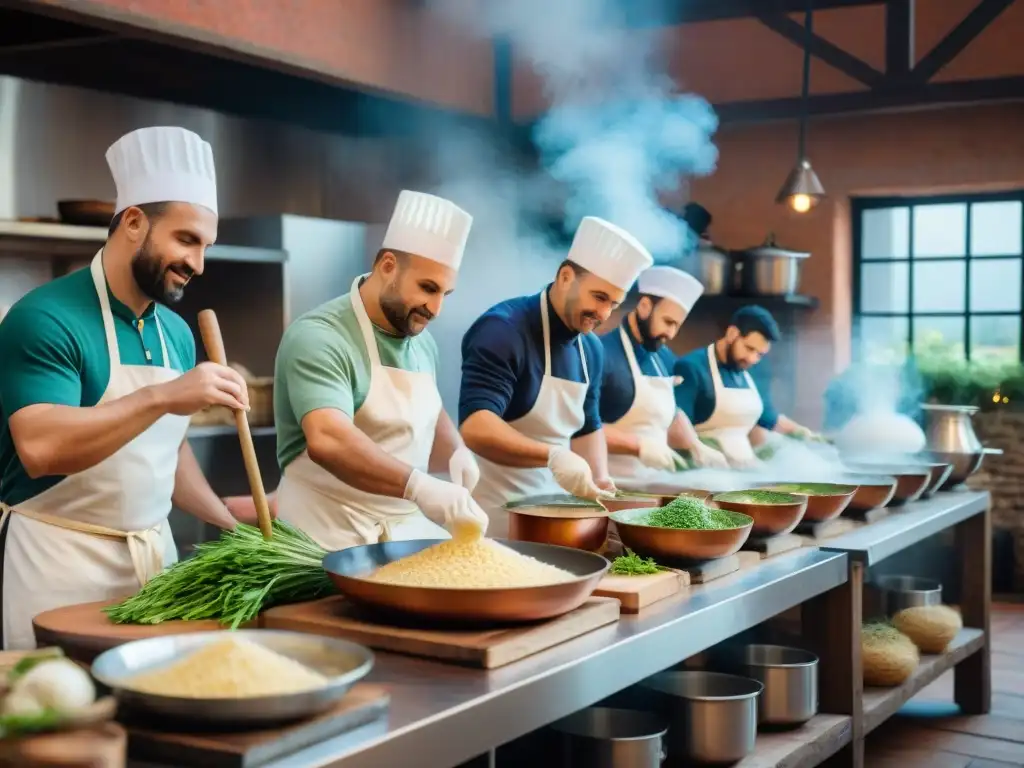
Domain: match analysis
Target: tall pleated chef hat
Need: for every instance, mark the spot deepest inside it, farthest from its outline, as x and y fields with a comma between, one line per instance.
x=609, y=252
x=671, y=283
x=428, y=226
x=163, y=165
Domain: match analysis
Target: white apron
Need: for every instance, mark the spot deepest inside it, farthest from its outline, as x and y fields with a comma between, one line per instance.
x=737, y=410
x=400, y=415
x=651, y=414
x=556, y=416
x=101, y=533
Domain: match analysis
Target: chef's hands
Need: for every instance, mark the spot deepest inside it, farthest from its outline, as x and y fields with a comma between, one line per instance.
x=706, y=457
x=205, y=385
x=573, y=473
x=658, y=455
x=445, y=503
x=243, y=508
x=463, y=468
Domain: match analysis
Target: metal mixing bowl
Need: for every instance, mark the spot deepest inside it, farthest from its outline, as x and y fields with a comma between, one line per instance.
x=712, y=717
x=789, y=675
x=769, y=519
x=940, y=472
x=562, y=520
x=911, y=481
x=604, y=737
x=342, y=662
x=680, y=543
x=873, y=492
x=899, y=592
x=349, y=567
x=964, y=465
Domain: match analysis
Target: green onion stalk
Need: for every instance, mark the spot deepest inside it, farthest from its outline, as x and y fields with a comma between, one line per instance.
x=232, y=579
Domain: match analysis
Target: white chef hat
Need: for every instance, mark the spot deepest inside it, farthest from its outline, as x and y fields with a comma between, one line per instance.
x=671, y=283
x=163, y=164
x=428, y=226
x=609, y=252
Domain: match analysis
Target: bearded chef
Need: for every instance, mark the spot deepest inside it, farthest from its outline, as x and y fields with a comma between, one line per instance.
x=642, y=424
x=531, y=377
x=99, y=381
x=719, y=395
x=356, y=404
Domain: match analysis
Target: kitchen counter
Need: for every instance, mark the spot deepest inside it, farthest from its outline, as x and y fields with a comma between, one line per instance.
x=444, y=714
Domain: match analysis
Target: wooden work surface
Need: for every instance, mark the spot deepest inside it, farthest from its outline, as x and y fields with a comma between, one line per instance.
x=100, y=746
x=637, y=592
x=487, y=648
x=249, y=749
x=84, y=632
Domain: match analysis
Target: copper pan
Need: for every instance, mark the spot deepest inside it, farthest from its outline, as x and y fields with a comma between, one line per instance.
x=587, y=533
x=769, y=519
x=911, y=480
x=349, y=567
x=872, y=492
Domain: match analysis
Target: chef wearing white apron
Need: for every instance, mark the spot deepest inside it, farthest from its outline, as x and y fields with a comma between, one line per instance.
x=737, y=412
x=529, y=403
x=103, y=532
x=330, y=369
x=642, y=424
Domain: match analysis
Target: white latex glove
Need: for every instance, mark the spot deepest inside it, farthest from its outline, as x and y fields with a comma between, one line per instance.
x=463, y=468
x=706, y=457
x=447, y=504
x=572, y=472
x=657, y=455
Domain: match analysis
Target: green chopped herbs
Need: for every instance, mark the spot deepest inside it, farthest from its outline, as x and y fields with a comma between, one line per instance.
x=687, y=512
x=232, y=579
x=631, y=564
x=757, y=497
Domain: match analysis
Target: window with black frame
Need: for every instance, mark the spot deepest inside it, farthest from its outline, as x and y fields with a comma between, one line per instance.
x=939, y=276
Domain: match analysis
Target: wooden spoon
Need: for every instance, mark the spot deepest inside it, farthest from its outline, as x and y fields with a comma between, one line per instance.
x=209, y=329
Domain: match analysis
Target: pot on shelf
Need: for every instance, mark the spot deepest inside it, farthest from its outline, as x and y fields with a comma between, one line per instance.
x=951, y=439
x=767, y=270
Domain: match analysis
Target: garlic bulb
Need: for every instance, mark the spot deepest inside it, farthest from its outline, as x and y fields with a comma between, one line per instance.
x=59, y=684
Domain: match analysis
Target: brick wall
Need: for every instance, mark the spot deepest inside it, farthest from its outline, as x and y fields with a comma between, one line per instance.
x=1004, y=477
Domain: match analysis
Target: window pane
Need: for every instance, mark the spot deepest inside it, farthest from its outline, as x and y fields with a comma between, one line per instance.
x=940, y=286
x=882, y=339
x=995, y=338
x=885, y=233
x=939, y=337
x=996, y=228
x=884, y=286
x=940, y=230
x=995, y=285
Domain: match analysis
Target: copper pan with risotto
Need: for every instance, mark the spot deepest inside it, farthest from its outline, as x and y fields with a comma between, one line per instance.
x=466, y=580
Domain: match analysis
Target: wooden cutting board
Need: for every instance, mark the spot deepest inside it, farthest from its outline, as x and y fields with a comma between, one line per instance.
x=636, y=592
x=487, y=648
x=248, y=749
x=103, y=746
x=84, y=632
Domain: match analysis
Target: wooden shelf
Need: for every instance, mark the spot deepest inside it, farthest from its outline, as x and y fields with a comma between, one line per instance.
x=803, y=747
x=882, y=703
x=66, y=240
x=226, y=430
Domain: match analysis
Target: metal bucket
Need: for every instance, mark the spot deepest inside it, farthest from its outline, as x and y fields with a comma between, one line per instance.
x=712, y=717
x=601, y=737
x=899, y=592
x=789, y=675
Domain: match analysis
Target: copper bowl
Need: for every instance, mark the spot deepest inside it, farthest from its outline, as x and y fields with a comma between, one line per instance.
x=911, y=481
x=769, y=519
x=825, y=501
x=963, y=465
x=562, y=520
x=940, y=472
x=86, y=213
x=680, y=543
x=872, y=492
x=348, y=568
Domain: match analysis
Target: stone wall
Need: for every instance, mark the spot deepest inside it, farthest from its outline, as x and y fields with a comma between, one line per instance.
x=1004, y=477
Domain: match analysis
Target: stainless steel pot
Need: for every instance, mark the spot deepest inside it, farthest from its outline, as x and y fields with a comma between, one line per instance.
x=768, y=270
x=602, y=737
x=712, y=717
x=899, y=592
x=789, y=675
x=949, y=428
x=711, y=265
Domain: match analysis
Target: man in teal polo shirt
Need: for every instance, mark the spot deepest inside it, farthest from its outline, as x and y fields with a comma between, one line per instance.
x=98, y=383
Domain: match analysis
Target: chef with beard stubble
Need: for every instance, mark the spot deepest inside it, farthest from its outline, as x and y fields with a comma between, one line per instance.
x=642, y=424
x=358, y=413
x=719, y=395
x=99, y=381
x=531, y=377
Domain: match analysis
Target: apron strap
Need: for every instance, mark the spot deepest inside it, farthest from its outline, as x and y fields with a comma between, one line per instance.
x=365, y=326
x=716, y=376
x=627, y=346
x=99, y=280
x=545, y=325
x=144, y=547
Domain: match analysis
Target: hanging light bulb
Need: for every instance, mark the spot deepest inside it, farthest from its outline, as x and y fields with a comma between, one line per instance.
x=802, y=190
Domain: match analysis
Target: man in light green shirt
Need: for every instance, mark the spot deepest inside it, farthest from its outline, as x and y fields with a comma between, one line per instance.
x=359, y=418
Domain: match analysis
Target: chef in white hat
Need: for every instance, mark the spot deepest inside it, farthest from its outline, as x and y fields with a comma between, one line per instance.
x=642, y=425
x=531, y=376
x=99, y=380
x=358, y=414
